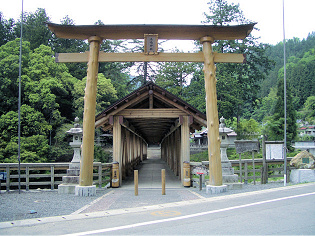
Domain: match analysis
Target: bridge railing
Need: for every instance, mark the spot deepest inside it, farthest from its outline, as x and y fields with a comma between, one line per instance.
x=47, y=175
x=275, y=169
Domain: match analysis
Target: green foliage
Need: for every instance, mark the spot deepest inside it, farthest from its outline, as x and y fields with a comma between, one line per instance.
x=195, y=93
x=100, y=155
x=274, y=127
x=266, y=106
x=6, y=30
x=242, y=79
x=175, y=76
x=300, y=77
x=34, y=149
x=106, y=94
x=199, y=157
x=294, y=48
x=9, y=73
x=35, y=29
x=308, y=111
x=247, y=129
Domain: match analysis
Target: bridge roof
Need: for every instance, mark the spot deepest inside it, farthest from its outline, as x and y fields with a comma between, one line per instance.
x=151, y=112
x=187, y=32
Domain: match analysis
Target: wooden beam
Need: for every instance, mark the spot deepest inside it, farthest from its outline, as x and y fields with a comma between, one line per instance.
x=141, y=57
x=151, y=113
x=185, y=32
x=102, y=120
x=199, y=119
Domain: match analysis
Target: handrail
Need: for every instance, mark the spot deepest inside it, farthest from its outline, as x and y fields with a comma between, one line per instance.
x=47, y=174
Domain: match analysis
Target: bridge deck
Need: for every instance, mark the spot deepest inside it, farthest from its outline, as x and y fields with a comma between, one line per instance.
x=150, y=175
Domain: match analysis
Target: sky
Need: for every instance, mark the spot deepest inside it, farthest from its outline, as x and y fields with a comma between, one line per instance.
x=299, y=14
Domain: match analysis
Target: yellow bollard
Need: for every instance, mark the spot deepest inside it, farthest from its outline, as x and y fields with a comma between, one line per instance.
x=115, y=175
x=186, y=168
x=136, y=182
x=163, y=181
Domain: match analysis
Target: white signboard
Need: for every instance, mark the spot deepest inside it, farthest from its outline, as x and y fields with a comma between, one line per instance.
x=274, y=151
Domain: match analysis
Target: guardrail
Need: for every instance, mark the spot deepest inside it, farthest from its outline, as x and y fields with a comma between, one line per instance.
x=249, y=167
x=47, y=174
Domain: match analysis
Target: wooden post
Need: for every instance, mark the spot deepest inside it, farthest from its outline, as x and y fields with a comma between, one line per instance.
x=86, y=172
x=27, y=178
x=254, y=173
x=185, y=147
x=246, y=173
x=215, y=169
x=240, y=165
x=52, y=177
x=163, y=181
x=7, y=169
x=264, y=172
x=136, y=182
x=100, y=175
x=117, y=157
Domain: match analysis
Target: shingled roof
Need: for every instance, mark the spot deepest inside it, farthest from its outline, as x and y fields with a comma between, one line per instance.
x=151, y=111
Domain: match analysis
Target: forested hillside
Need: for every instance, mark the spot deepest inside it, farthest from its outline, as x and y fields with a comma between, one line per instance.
x=300, y=71
x=249, y=95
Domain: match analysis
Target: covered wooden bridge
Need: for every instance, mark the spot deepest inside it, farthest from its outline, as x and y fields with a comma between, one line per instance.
x=150, y=116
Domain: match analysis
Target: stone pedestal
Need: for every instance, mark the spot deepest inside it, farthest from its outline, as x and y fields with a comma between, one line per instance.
x=302, y=176
x=85, y=191
x=71, y=180
x=211, y=189
x=228, y=177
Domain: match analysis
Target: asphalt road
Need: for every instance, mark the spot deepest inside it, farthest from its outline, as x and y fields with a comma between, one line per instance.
x=287, y=210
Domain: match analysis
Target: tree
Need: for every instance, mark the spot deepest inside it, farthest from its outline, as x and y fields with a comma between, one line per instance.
x=47, y=96
x=247, y=76
x=106, y=94
x=294, y=48
x=6, y=30
x=9, y=73
x=247, y=129
x=308, y=111
x=266, y=106
x=175, y=76
x=60, y=45
x=300, y=76
x=275, y=125
x=35, y=29
x=34, y=131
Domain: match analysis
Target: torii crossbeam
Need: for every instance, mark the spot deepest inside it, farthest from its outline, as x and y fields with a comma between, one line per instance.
x=207, y=34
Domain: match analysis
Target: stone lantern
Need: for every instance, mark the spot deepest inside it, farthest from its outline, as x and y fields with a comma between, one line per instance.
x=228, y=176
x=223, y=132
x=77, y=133
x=71, y=180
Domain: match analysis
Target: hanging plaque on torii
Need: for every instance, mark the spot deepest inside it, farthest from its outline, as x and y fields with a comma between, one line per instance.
x=207, y=34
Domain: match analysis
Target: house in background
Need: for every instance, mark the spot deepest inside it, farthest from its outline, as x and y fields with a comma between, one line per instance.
x=307, y=130
x=201, y=138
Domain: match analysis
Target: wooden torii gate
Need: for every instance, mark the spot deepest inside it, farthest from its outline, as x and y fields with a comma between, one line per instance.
x=207, y=34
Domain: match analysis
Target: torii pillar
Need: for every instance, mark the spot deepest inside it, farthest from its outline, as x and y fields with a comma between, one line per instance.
x=214, y=141
x=86, y=187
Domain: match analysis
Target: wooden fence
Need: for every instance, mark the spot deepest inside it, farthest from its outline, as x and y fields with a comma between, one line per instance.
x=47, y=175
x=275, y=169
